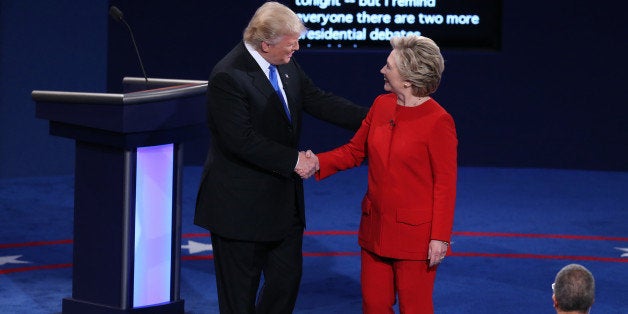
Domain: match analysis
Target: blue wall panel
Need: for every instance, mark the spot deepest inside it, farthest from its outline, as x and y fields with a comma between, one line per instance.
x=552, y=97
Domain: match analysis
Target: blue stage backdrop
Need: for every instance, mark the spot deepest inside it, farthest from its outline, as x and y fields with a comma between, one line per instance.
x=552, y=96
x=45, y=45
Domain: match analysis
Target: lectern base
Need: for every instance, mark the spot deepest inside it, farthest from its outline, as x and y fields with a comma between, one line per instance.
x=72, y=306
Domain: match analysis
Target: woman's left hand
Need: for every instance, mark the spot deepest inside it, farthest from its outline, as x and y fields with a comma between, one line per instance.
x=437, y=251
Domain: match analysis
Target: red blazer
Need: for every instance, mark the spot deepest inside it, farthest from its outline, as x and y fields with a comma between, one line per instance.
x=412, y=167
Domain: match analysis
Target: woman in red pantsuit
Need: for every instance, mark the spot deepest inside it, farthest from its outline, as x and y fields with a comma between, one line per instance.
x=407, y=213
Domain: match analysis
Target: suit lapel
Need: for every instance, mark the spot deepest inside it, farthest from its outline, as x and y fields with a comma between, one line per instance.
x=256, y=75
x=261, y=82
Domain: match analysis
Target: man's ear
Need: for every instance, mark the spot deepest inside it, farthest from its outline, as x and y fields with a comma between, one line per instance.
x=554, y=299
x=265, y=47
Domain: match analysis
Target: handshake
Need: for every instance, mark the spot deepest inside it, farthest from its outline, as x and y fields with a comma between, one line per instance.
x=307, y=164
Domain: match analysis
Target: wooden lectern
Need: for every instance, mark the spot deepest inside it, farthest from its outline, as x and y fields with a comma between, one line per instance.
x=127, y=190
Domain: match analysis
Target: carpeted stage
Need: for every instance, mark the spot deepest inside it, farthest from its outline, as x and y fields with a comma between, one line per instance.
x=514, y=229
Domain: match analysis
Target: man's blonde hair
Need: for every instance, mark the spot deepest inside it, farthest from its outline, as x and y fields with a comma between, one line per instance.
x=270, y=23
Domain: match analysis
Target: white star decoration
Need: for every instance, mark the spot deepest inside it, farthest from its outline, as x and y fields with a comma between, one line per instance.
x=13, y=259
x=197, y=247
x=623, y=249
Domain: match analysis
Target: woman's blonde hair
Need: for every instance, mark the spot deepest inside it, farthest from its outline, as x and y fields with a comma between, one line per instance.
x=419, y=62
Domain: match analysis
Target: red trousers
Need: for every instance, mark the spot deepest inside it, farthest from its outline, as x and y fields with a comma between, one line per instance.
x=384, y=278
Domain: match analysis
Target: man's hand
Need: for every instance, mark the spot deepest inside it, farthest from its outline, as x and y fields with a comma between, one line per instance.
x=307, y=164
x=309, y=154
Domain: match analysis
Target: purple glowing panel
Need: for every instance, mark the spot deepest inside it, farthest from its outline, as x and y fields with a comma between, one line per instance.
x=153, y=225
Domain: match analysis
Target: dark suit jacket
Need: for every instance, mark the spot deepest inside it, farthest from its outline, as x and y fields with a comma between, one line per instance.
x=249, y=190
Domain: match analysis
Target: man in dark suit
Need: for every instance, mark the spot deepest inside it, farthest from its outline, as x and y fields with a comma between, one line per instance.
x=251, y=193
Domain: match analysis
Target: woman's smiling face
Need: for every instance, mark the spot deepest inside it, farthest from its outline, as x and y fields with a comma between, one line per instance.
x=393, y=82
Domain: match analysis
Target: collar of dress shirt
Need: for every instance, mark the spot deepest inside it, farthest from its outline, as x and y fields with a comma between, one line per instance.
x=263, y=64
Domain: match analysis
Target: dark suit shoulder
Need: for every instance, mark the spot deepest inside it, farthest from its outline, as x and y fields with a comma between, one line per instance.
x=237, y=60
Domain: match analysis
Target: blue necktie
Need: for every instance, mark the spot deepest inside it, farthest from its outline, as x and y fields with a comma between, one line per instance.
x=272, y=75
